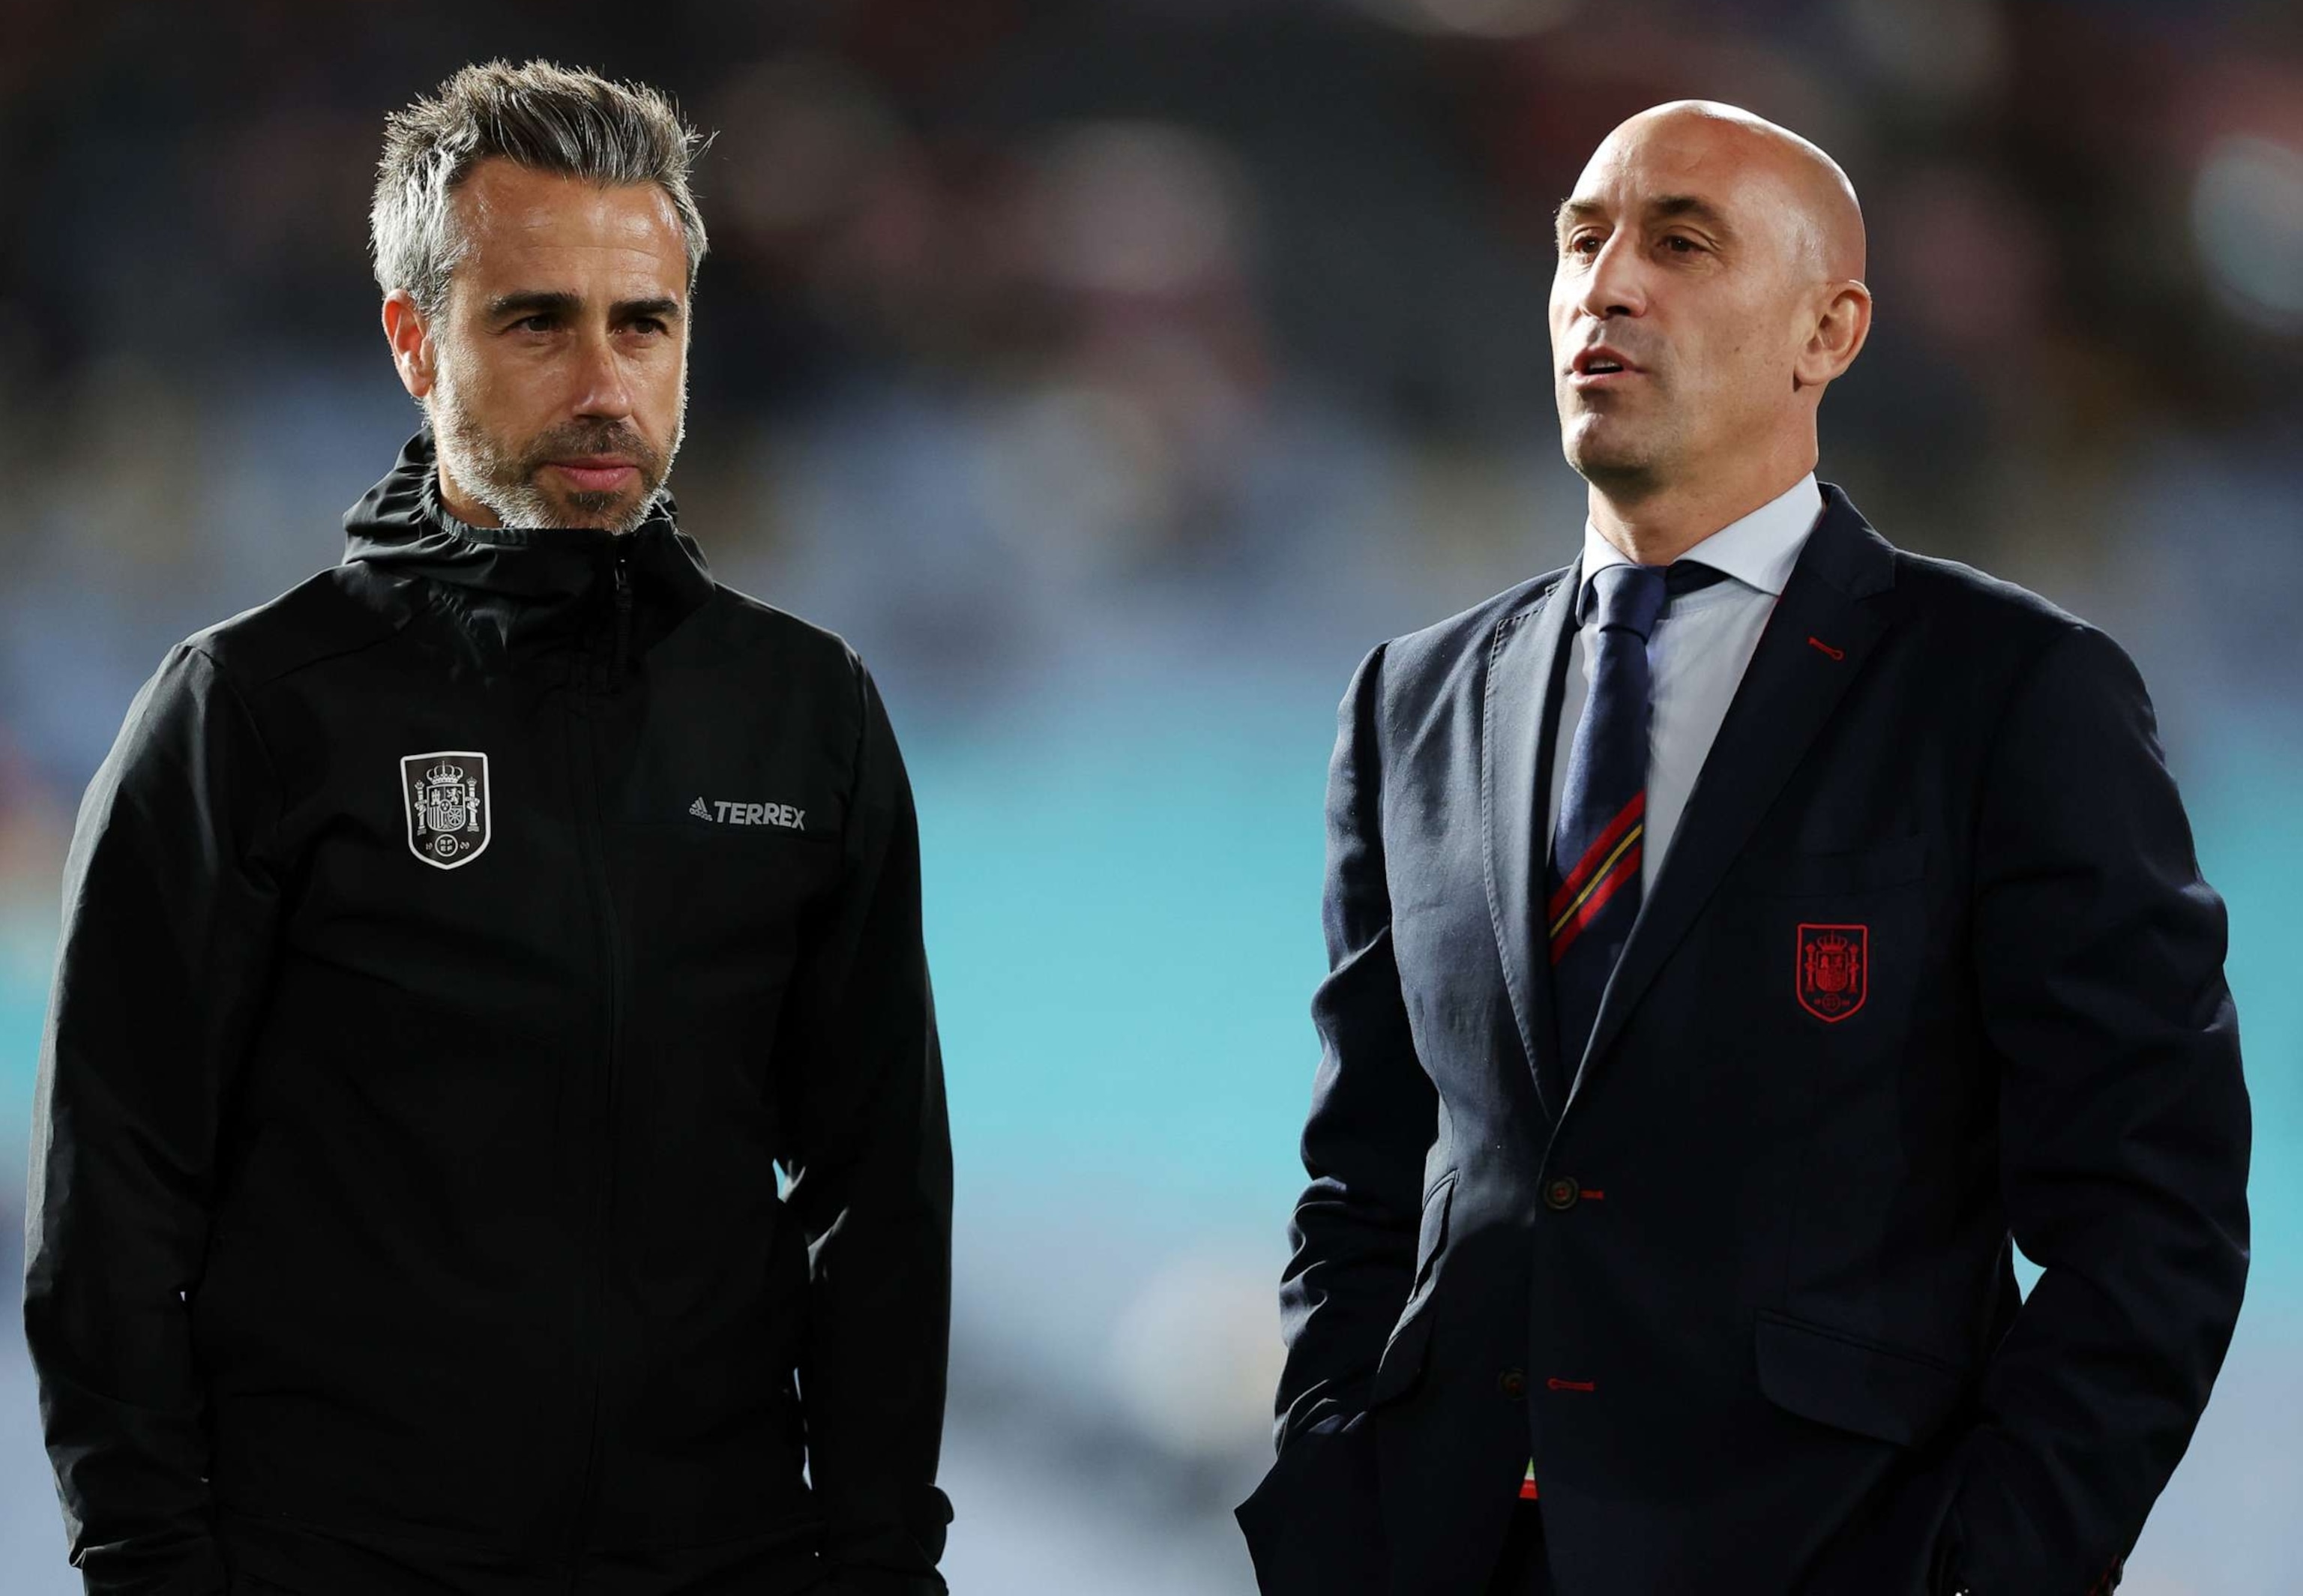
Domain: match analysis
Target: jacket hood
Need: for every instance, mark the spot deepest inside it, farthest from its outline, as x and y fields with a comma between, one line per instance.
x=400, y=527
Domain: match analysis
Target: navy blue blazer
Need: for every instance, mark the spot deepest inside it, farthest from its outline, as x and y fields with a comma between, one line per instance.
x=1929, y=962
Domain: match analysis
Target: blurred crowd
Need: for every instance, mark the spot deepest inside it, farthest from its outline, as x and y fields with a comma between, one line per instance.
x=1033, y=333
x=1164, y=351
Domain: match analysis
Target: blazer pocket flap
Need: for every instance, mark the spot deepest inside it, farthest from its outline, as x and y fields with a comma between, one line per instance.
x=1403, y=1359
x=1856, y=1385
x=1403, y=1353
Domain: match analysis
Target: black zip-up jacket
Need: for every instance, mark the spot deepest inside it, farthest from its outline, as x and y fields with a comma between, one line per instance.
x=453, y=948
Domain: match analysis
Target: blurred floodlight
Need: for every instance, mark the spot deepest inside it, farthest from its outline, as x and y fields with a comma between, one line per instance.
x=1478, y=19
x=1197, y=1355
x=2247, y=214
x=1140, y=209
x=1947, y=51
x=800, y=133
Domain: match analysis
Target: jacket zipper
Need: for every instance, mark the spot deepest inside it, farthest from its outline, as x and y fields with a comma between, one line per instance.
x=603, y=1163
x=623, y=621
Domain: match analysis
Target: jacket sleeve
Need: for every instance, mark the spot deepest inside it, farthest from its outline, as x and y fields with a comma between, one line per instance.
x=2124, y=1131
x=1373, y=1114
x=869, y=1152
x=169, y=907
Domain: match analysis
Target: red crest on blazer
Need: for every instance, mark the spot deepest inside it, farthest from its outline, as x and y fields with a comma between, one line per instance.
x=1835, y=970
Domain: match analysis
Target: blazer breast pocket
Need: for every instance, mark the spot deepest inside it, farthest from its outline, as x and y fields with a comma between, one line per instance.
x=1828, y=943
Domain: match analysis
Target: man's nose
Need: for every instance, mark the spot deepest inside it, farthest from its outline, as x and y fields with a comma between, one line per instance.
x=602, y=386
x=1616, y=283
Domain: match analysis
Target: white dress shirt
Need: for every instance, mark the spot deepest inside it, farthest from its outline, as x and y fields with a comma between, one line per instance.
x=1696, y=655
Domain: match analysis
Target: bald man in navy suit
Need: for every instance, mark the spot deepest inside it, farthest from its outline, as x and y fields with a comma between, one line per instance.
x=1737, y=939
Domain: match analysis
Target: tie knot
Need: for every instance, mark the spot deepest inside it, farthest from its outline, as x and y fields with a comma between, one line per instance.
x=1633, y=597
x=1626, y=597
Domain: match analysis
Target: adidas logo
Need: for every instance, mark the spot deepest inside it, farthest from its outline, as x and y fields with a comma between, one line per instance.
x=727, y=812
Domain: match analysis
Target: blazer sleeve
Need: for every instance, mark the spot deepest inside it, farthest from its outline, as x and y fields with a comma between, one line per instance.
x=2124, y=1131
x=1373, y=1113
x=861, y=1077
x=170, y=903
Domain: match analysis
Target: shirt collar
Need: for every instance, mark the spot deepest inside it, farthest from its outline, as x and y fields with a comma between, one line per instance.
x=1758, y=551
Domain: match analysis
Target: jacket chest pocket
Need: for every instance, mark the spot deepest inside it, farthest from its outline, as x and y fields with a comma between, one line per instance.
x=711, y=889
x=1826, y=949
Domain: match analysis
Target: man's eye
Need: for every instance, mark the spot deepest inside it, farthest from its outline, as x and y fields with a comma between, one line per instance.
x=1583, y=243
x=648, y=324
x=1679, y=244
x=538, y=323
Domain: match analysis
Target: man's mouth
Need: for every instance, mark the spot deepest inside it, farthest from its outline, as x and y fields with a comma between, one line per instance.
x=1600, y=366
x=596, y=475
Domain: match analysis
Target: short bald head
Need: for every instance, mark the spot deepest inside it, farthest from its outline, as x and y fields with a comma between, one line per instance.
x=1813, y=204
x=1717, y=260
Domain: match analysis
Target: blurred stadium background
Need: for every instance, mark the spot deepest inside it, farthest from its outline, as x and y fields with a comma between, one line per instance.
x=1114, y=374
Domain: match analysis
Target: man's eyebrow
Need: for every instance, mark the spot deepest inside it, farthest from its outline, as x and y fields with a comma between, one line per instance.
x=531, y=301
x=663, y=309
x=1663, y=207
x=1576, y=210
x=1674, y=208
x=544, y=301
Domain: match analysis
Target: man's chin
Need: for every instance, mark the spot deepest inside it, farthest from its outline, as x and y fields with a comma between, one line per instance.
x=619, y=511
x=1611, y=463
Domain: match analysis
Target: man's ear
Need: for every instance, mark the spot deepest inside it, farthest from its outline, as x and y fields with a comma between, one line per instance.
x=1843, y=324
x=413, y=353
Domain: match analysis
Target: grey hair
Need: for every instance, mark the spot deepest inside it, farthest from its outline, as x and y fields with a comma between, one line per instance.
x=546, y=117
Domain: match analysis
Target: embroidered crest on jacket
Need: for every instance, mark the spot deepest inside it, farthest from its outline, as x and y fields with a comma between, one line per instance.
x=446, y=798
x=1835, y=970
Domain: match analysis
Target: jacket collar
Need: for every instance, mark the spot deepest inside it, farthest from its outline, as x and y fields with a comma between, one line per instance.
x=1757, y=550
x=400, y=527
x=1519, y=723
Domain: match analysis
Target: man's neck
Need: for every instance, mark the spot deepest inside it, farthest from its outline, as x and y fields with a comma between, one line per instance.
x=1658, y=527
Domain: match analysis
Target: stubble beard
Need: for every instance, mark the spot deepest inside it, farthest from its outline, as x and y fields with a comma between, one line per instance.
x=508, y=480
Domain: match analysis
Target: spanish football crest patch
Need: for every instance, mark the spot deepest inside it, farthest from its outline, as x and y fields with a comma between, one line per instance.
x=446, y=797
x=1835, y=970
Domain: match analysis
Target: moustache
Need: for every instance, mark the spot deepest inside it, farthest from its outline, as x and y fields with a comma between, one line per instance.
x=562, y=442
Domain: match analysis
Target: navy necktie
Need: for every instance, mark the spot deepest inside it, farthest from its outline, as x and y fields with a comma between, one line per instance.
x=1594, y=879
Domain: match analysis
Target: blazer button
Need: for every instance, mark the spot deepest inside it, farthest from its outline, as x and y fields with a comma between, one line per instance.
x=1512, y=1383
x=1560, y=1195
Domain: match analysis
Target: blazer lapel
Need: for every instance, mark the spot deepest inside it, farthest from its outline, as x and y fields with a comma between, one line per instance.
x=1814, y=645
x=1519, y=721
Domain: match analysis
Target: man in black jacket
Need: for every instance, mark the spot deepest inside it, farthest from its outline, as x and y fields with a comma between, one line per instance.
x=1734, y=938
x=454, y=946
